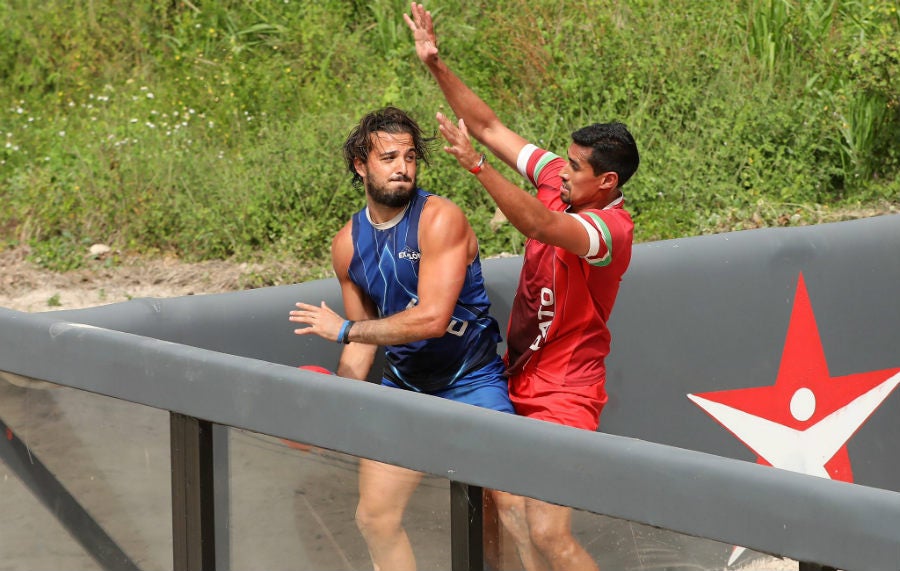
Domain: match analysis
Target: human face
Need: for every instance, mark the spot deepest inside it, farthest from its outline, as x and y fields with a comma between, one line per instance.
x=389, y=173
x=580, y=186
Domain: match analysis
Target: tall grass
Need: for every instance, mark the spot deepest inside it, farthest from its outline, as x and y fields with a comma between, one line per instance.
x=213, y=130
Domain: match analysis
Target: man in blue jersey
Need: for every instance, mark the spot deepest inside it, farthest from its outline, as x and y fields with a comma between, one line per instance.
x=410, y=277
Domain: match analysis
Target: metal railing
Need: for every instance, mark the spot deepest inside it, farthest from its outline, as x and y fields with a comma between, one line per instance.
x=815, y=521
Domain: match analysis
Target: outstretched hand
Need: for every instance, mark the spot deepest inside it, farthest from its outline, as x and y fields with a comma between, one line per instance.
x=322, y=320
x=459, y=142
x=422, y=27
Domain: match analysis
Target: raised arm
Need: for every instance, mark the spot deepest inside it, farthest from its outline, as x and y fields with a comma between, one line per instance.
x=447, y=245
x=483, y=123
x=524, y=211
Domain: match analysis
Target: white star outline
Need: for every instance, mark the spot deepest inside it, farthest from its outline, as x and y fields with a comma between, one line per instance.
x=804, y=451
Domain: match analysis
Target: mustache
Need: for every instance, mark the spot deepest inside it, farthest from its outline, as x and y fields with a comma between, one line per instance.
x=400, y=178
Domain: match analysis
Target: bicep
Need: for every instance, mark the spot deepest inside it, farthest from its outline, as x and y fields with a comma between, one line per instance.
x=357, y=305
x=356, y=358
x=504, y=143
x=573, y=234
x=447, y=242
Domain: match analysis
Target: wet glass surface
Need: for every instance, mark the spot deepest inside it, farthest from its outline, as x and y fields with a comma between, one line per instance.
x=287, y=505
x=293, y=506
x=84, y=479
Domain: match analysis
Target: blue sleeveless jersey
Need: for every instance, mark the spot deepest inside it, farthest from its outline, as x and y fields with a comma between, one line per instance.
x=385, y=265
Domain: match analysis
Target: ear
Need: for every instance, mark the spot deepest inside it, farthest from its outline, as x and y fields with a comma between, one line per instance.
x=360, y=167
x=608, y=181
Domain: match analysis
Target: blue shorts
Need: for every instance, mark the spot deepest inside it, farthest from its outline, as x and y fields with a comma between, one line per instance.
x=485, y=387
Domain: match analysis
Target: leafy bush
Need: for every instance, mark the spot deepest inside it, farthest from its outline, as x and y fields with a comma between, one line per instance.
x=213, y=130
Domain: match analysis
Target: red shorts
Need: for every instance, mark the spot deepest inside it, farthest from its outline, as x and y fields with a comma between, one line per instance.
x=578, y=406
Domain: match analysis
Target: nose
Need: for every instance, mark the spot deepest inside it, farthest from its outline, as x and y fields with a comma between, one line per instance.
x=400, y=167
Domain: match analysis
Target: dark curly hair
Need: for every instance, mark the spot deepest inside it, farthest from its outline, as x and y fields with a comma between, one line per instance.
x=613, y=149
x=387, y=120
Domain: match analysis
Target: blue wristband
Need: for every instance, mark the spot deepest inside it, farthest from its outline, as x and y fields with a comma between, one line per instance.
x=344, y=333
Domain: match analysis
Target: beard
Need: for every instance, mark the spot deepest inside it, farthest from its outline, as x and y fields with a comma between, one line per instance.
x=391, y=196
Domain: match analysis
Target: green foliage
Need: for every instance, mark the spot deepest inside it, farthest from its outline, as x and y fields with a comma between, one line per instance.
x=60, y=253
x=213, y=129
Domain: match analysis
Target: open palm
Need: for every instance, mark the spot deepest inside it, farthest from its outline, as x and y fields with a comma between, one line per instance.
x=422, y=27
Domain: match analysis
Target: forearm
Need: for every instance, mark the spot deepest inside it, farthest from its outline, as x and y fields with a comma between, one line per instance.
x=413, y=324
x=523, y=210
x=465, y=103
x=356, y=361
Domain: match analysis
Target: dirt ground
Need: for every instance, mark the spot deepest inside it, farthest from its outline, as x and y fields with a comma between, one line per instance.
x=25, y=286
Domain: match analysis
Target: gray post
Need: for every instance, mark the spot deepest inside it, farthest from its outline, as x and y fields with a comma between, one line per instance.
x=193, y=499
x=466, y=527
x=222, y=487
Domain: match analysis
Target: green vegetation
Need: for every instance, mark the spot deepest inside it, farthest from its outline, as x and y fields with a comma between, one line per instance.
x=212, y=130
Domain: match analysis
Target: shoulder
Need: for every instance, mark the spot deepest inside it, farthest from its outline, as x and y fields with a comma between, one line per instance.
x=607, y=220
x=440, y=207
x=443, y=220
x=534, y=161
x=342, y=249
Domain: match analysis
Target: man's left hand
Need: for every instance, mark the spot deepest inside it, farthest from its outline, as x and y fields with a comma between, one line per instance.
x=322, y=321
x=459, y=143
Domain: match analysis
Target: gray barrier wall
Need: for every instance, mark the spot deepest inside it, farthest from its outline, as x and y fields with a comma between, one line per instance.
x=707, y=317
x=712, y=314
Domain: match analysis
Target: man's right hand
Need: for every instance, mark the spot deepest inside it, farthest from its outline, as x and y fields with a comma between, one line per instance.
x=422, y=27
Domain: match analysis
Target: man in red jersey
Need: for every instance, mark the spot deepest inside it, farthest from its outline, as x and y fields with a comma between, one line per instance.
x=578, y=248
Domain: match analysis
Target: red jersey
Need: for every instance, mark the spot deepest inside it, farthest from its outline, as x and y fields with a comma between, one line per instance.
x=557, y=326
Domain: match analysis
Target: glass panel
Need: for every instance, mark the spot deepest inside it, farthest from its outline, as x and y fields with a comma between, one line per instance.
x=293, y=506
x=101, y=464
x=628, y=546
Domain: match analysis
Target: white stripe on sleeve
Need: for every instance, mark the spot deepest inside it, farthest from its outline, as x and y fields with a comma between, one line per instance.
x=593, y=236
x=522, y=159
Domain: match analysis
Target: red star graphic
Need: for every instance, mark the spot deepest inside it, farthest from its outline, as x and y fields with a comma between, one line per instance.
x=803, y=368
